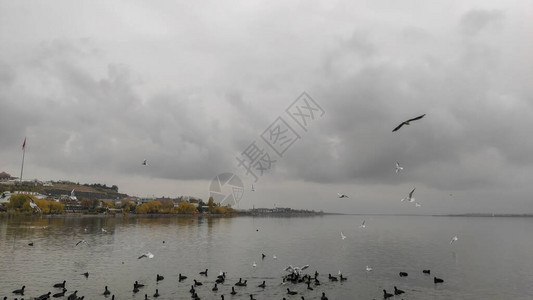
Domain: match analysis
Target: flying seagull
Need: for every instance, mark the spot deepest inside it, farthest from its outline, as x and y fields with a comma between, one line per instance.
x=82, y=241
x=454, y=239
x=33, y=205
x=417, y=204
x=368, y=269
x=342, y=195
x=362, y=225
x=342, y=236
x=147, y=254
x=144, y=163
x=408, y=122
x=296, y=270
x=398, y=167
x=410, y=196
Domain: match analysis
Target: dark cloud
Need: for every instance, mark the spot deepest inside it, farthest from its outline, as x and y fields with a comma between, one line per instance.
x=190, y=94
x=476, y=21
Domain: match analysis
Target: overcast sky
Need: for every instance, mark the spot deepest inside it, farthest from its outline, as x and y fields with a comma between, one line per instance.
x=99, y=86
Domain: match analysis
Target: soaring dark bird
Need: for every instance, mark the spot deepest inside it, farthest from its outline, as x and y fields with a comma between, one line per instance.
x=397, y=291
x=60, y=285
x=407, y=122
x=144, y=162
x=19, y=291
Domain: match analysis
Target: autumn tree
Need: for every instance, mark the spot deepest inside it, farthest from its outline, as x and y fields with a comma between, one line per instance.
x=167, y=206
x=186, y=208
x=152, y=207
x=129, y=206
x=211, y=205
x=17, y=201
x=56, y=207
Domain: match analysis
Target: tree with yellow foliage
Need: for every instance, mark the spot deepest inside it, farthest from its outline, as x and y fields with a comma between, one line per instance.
x=185, y=208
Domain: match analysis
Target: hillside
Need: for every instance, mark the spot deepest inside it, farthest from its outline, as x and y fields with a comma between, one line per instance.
x=92, y=191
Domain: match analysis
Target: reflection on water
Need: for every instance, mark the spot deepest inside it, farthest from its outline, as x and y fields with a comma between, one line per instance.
x=492, y=257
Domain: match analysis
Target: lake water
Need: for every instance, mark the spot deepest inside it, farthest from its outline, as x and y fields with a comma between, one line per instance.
x=493, y=258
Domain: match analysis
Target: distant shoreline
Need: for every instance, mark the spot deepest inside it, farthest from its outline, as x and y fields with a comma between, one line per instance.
x=250, y=214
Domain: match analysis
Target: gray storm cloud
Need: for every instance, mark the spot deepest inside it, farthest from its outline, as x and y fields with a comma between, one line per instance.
x=190, y=93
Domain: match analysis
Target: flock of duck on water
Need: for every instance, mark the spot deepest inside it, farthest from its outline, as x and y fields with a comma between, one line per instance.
x=295, y=276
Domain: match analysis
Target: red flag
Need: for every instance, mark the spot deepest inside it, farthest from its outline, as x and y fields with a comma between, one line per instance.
x=24, y=145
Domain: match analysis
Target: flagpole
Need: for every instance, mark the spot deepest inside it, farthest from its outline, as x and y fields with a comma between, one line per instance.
x=23, y=154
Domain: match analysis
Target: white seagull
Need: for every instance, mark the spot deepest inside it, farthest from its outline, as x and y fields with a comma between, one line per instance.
x=33, y=205
x=368, y=269
x=342, y=195
x=274, y=257
x=147, y=254
x=410, y=196
x=454, y=239
x=342, y=236
x=398, y=167
x=82, y=241
x=362, y=225
x=417, y=204
x=103, y=230
x=254, y=264
x=295, y=270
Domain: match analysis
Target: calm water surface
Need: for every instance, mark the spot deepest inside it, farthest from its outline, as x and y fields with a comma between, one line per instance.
x=493, y=258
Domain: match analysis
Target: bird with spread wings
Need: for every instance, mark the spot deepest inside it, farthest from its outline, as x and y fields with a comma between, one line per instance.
x=407, y=122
